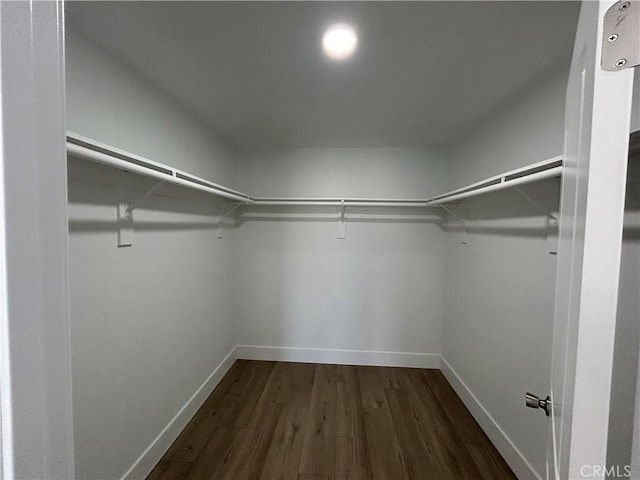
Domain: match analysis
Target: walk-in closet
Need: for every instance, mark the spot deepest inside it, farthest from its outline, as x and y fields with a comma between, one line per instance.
x=341, y=240
x=236, y=193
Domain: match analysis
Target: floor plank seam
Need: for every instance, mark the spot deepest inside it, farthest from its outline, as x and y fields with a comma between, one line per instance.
x=289, y=421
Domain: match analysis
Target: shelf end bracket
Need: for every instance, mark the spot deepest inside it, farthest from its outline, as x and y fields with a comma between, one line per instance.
x=342, y=222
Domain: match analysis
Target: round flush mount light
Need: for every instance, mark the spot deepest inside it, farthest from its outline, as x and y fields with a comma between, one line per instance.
x=339, y=41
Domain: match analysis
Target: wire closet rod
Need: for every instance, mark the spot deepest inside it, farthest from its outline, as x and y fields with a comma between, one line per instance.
x=97, y=152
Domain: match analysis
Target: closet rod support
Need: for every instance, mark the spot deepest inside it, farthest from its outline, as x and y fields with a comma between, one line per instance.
x=342, y=221
x=444, y=207
x=536, y=204
x=235, y=207
x=132, y=206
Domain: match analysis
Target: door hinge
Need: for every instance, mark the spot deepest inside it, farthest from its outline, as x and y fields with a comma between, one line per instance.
x=621, y=36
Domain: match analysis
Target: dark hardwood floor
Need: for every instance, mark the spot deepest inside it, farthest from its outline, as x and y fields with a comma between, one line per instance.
x=299, y=421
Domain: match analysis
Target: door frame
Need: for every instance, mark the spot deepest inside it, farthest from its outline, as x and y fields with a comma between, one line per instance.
x=597, y=125
x=36, y=428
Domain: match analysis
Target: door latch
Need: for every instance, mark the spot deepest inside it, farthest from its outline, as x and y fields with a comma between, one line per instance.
x=534, y=401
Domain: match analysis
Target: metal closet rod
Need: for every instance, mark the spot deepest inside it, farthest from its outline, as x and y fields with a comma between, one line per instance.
x=347, y=202
x=97, y=152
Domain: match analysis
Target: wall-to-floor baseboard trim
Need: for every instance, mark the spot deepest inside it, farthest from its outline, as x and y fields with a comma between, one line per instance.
x=154, y=452
x=338, y=356
x=512, y=455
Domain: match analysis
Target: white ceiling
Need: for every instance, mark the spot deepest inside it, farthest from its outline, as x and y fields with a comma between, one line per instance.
x=424, y=72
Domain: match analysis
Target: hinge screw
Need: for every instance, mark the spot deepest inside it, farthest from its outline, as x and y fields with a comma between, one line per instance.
x=621, y=63
x=612, y=38
x=624, y=6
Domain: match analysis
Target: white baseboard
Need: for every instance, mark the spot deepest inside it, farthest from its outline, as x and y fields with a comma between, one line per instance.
x=154, y=452
x=152, y=455
x=512, y=455
x=338, y=356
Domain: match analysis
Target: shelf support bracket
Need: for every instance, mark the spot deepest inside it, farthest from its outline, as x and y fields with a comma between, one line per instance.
x=125, y=214
x=126, y=206
x=219, y=229
x=235, y=207
x=222, y=216
x=540, y=208
x=465, y=236
x=133, y=205
x=448, y=210
x=342, y=222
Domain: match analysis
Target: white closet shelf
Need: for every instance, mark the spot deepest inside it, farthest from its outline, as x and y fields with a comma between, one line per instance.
x=535, y=172
x=89, y=149
x=97, y=152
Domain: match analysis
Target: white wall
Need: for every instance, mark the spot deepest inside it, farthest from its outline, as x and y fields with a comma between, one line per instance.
x=150, y=322
x=380, y=289
x=108, y=102
x=499, y=293
x=528, y=129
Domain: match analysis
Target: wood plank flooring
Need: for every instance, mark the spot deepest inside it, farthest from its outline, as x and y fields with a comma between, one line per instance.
x=299, y=421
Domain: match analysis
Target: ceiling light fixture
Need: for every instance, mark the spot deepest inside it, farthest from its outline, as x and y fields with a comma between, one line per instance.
x=339, y=41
